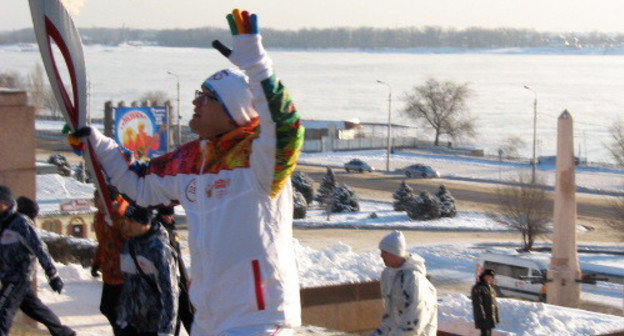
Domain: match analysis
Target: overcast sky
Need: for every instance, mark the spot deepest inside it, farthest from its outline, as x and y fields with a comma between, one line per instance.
x=543, y=15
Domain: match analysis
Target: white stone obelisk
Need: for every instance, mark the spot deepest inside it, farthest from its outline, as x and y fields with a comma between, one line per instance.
x=564, y=270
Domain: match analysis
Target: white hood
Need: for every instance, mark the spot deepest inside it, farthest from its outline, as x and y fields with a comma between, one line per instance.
x=414, y=262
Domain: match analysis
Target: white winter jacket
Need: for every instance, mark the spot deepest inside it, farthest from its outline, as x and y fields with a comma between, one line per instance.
x=410, y=301
x=238, y=200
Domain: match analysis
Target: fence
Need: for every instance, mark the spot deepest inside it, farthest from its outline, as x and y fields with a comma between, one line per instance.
x=328, y=144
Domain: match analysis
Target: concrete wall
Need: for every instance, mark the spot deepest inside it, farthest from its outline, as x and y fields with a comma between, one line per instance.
x=17, y=143
x=353, y=308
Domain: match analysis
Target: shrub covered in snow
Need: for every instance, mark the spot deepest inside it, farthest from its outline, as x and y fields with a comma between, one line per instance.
x=300, y=205
x=424, y=207
x=344, y=199
x=62, y=166
x=447, y=202
x=303, y=184
x=402, y=196
x=327, y=186
x=67, y=250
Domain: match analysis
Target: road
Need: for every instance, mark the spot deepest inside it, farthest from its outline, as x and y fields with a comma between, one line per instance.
x=593, y=211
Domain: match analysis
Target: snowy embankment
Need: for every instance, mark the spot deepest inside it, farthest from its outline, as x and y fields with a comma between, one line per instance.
x=470, y=168
x=526, y=319
x=338, y=263
x=385, y=217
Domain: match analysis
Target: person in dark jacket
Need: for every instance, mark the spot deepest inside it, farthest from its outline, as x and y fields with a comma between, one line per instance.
x=27, y=207
x=106, y=259
x=484, y=305
x=19, y=246
x=149, y=299
x=165, y=217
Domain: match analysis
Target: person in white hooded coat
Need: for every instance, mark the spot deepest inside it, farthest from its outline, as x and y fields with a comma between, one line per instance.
x=409, y=299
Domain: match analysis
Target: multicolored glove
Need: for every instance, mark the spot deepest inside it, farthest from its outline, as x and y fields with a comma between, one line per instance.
x=74, y=138
x=247, y=51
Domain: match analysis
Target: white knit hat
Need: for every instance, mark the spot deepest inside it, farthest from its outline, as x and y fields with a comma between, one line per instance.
x=394, y=243
x=231, y=87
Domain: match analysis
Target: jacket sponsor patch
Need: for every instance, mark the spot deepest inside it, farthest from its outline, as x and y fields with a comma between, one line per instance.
x=218, y=189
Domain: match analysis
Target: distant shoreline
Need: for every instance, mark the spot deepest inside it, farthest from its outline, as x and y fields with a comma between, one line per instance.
x=537, y=51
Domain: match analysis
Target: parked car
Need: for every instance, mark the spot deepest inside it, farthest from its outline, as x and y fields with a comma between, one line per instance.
x=358, y=166
x=419, y=170
x=514, y=273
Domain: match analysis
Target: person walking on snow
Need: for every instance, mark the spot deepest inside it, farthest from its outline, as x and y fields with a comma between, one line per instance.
x=106, y=259
x=409, y=299
x=484, y=306
x=234, y=185
x=19, y=246
x=148, y=304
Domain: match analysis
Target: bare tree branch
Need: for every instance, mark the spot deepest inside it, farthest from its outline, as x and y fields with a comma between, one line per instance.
x=524, y=208
x=616, y=148
x=442, y=107
x=156, y=97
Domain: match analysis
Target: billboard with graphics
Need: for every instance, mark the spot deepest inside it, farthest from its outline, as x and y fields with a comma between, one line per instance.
x=142, y=130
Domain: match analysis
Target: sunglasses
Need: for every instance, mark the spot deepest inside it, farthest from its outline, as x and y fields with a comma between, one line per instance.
x=199, y=94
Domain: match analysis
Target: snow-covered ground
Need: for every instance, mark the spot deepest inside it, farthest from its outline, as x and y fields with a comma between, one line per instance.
x=387, y=218
x=458, y=167
x=338, y=263
x=526, y=319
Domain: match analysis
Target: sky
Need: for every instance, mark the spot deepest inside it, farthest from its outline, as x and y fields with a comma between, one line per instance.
x=542, y=15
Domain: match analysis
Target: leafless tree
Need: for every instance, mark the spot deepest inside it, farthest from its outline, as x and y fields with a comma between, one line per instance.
x=40, y=93
x=441, y=105
x=156, y=97
x=11, y=80
x=525, y=207
x=512, y=145
x=616, y=220
x=36, y=88
x=616, y=147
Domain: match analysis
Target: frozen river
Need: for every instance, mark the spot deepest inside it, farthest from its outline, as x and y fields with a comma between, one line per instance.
x=342, y=85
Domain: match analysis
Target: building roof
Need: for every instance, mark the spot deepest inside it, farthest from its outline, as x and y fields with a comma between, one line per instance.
x=52, y=189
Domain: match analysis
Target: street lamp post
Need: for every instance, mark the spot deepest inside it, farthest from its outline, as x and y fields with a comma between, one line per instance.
x=389, y=142
x=178, y=106
x=533, y=161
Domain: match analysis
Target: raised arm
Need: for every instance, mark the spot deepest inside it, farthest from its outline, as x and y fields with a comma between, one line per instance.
x=275, y=152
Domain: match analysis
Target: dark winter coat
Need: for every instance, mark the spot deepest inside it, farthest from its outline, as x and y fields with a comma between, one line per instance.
x=484, y=306
x=19, y=247
x=174, y=241
x=145, y=308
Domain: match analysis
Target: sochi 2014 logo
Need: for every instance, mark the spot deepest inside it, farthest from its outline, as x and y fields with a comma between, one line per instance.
x=191, y=191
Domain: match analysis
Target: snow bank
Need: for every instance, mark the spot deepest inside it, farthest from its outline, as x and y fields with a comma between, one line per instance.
x=388, y=218
x=526, y=319
x=78, y=305
x=336, y=264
